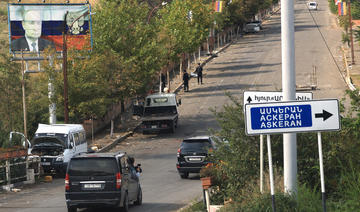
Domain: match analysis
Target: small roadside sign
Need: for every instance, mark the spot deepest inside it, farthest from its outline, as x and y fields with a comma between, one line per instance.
x=292, y=116
x=251, y=97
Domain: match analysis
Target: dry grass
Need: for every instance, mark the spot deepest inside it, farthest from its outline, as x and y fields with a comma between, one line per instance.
x=355, y=80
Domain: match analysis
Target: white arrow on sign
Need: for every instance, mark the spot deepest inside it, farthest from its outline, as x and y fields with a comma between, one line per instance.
x=293, y=116
x=251, y=97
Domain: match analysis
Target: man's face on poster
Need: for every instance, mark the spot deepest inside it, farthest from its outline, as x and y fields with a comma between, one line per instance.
x=32, y=24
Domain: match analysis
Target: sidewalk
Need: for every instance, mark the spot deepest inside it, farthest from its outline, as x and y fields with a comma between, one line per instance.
x=354, y=69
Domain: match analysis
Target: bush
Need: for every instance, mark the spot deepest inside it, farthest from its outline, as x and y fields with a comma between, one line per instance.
x=333, y=7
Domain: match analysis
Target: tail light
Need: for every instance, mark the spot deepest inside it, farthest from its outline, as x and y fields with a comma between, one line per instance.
x=67, y=185
x=118, y=180
x=178, y=153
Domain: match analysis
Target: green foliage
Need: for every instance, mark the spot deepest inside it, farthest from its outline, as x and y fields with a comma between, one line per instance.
x=237, y=160
x=355, y=10
x=182, y=33
x=308, y=200
x=350, y=189
x=11, y=98
x=333, y=7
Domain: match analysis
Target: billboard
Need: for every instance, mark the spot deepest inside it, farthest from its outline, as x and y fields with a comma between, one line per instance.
x=35, y=27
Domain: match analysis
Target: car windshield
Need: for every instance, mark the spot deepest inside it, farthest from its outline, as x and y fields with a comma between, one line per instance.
x=170, y=110
x=47, y=140
x=92, y=167
x=195, y=144
x=312, y=4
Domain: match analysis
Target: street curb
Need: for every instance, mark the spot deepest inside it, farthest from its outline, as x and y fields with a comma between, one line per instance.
x=116, y=141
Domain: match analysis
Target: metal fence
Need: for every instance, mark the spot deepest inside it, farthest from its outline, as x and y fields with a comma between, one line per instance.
x=20, y=169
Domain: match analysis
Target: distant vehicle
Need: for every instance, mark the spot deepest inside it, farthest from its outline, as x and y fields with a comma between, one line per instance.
x=159, y=113
x=192, y=154
x=252, y=28
x=56, y=144
x=258, y=22
x=102, y=179
x=312, y=5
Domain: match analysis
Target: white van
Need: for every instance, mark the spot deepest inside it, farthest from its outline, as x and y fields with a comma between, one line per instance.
x=57, y=143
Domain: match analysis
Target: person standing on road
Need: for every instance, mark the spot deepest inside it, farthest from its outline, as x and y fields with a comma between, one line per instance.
x=186, y=81
x=163, y=82
x=198, y=71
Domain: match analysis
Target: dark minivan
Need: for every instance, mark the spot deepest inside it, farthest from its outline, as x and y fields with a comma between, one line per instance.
x=192, y=154
x=102, y=179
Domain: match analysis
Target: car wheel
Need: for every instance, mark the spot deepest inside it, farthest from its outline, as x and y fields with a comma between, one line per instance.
x=139, y=197
x=125, y=207
x=184, y=175
x=173, y=127
x=71, y=209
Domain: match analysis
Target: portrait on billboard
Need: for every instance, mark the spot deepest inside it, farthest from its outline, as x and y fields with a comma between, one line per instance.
x=31, y=41
x=36, y=27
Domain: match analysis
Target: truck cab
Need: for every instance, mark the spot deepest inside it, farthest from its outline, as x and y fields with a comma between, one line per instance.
x=158, y=113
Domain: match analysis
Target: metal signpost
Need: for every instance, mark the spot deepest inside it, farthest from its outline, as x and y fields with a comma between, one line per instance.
x=252, y=97
x=292, y=116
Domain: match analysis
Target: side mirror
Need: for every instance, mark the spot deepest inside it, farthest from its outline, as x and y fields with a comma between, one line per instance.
x=72, y=145
x=138, y=110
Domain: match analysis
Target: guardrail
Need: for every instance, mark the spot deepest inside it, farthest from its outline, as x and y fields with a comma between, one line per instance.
x=15, y=170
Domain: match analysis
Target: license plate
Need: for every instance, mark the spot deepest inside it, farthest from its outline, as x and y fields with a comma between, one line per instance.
x=92, y=185
x=195, y=159
x=153, y=126
x=45, y=163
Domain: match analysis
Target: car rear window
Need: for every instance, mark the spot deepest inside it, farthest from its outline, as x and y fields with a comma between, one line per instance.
x=313, y=4
x=92, y=167
x=195, y=144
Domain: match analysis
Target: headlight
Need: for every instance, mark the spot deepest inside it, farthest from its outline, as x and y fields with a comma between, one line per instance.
x=61, y=158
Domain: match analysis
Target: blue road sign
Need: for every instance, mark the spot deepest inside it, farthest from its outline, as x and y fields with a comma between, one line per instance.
x=299, y=116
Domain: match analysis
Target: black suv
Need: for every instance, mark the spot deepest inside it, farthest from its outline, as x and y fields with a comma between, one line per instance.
x=192, y=154
x=102, y=179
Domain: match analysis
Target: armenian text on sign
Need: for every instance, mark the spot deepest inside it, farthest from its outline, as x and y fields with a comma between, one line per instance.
x=281, y=117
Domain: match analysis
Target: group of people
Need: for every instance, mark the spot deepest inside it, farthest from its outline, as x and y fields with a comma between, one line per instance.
x=186, y=77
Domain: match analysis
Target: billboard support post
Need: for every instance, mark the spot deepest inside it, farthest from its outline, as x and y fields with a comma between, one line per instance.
x=66, y=111
x=23, y=96
x=52, y=106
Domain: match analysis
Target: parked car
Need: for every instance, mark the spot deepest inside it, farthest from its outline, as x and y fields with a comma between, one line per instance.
x=102, y=179
x=258, y=22
x=252, y=28
x=192, y=154
x=312, y=5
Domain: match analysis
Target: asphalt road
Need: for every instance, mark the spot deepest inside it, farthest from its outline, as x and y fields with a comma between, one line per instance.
x=251, y=63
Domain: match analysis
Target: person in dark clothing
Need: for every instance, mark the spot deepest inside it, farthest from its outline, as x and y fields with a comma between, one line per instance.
x=186, y=81
x=163, y=82
x=198, y=71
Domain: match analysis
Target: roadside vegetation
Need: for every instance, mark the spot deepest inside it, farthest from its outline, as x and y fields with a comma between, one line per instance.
x=133, y=41
x=235, y=168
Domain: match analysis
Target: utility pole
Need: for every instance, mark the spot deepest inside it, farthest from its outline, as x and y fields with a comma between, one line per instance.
x=289, y=89
x=66, y=110
x=351, y=34
x=23, y=96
